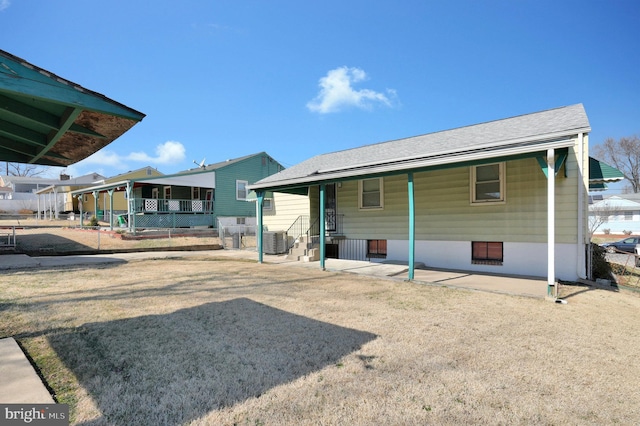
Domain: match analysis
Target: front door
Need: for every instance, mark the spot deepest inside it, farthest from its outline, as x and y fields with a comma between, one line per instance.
x=330, y=208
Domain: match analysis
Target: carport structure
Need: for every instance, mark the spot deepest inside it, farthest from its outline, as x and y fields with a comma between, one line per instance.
x=48, y=120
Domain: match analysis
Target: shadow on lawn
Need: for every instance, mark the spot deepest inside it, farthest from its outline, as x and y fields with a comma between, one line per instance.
x=174, y=368
x=33, y=243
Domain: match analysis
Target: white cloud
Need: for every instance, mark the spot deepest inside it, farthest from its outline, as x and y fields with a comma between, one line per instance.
x=105, y=158
x=337, y=92
x=166, y=153
x=4, y=4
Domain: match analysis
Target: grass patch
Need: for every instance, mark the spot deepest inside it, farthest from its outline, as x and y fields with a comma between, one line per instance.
x=187, y=341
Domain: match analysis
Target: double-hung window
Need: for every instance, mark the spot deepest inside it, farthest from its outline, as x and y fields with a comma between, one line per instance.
x=487, y=183
x=371, y=193
x=241, y=189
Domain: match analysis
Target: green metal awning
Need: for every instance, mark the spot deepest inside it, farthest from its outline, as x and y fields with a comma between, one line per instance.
x=48, y=120
x=601, y=173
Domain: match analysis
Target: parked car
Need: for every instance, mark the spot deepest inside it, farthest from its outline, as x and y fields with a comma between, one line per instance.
x=627, y=245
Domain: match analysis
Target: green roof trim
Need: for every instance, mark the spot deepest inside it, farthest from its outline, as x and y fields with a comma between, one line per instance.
x=48, y=120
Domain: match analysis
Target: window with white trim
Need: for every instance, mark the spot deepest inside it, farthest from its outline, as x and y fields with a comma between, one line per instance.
x=487, y=183
x=241, y=189
x=371, y=193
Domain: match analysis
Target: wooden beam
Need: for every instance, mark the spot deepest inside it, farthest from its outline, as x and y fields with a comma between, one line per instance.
x=66, y=121
x=19, y=109
x=23, y=134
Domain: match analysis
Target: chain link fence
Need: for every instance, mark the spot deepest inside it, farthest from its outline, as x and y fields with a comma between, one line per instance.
x=625, y=267
x=238, y=237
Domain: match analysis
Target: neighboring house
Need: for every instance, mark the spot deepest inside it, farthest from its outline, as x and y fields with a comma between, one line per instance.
x=6, y=193
x=26, y=184
x=20, y=193
x=617, y=214
x=101, y=205
x=503, y=197
x=56, y=198
x=200, y=197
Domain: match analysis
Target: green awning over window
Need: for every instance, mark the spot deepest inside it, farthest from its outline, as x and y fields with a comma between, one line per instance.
x=601, y=173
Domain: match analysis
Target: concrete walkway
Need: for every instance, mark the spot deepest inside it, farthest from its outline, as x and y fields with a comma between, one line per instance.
x=20, y=384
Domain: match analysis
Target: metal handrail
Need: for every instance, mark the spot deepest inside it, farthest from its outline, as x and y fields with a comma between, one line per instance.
x=297, y=229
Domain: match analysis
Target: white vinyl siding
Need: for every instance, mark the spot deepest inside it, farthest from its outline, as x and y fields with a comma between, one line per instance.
x=371, y=193
x=443, y=211
x=286, y=208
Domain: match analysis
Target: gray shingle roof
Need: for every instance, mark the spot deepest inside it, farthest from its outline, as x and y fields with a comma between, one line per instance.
x=524, y=132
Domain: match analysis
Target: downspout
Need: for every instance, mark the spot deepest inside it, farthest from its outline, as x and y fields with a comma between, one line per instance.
x=412, y=226
x=551, y=219
x=322, y=227
x=582, y=269
x=260, y=197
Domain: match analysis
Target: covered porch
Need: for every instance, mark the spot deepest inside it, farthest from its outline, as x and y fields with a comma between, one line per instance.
x=172, y=201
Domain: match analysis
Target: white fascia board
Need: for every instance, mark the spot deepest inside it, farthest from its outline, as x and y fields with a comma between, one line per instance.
x=202, y=180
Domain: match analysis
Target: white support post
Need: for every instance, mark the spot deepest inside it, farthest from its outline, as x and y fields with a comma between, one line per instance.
x=583, y=241
x=129, y=209
x=552, y=290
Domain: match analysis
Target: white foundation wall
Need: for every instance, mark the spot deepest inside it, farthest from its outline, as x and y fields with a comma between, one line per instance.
x=526, y=259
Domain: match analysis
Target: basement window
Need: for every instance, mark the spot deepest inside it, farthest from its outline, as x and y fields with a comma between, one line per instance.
x=487, y=253
x=377, y=249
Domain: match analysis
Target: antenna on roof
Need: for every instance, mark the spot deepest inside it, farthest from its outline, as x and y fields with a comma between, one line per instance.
x=200, y=164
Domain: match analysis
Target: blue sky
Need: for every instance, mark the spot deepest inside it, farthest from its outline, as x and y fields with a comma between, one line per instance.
x=223, y=79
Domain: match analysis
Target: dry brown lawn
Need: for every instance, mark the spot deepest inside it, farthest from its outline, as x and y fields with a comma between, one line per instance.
x=212, y=340
x=47, y=237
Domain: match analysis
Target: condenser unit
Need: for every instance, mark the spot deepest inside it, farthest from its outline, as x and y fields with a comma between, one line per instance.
x=274, y=242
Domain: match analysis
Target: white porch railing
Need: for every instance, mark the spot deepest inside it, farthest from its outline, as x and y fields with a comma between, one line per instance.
x=159, y=205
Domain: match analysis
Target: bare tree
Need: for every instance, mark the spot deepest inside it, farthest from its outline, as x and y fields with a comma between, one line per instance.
x=20, y=169
x=624, y=155
x=600, y=214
